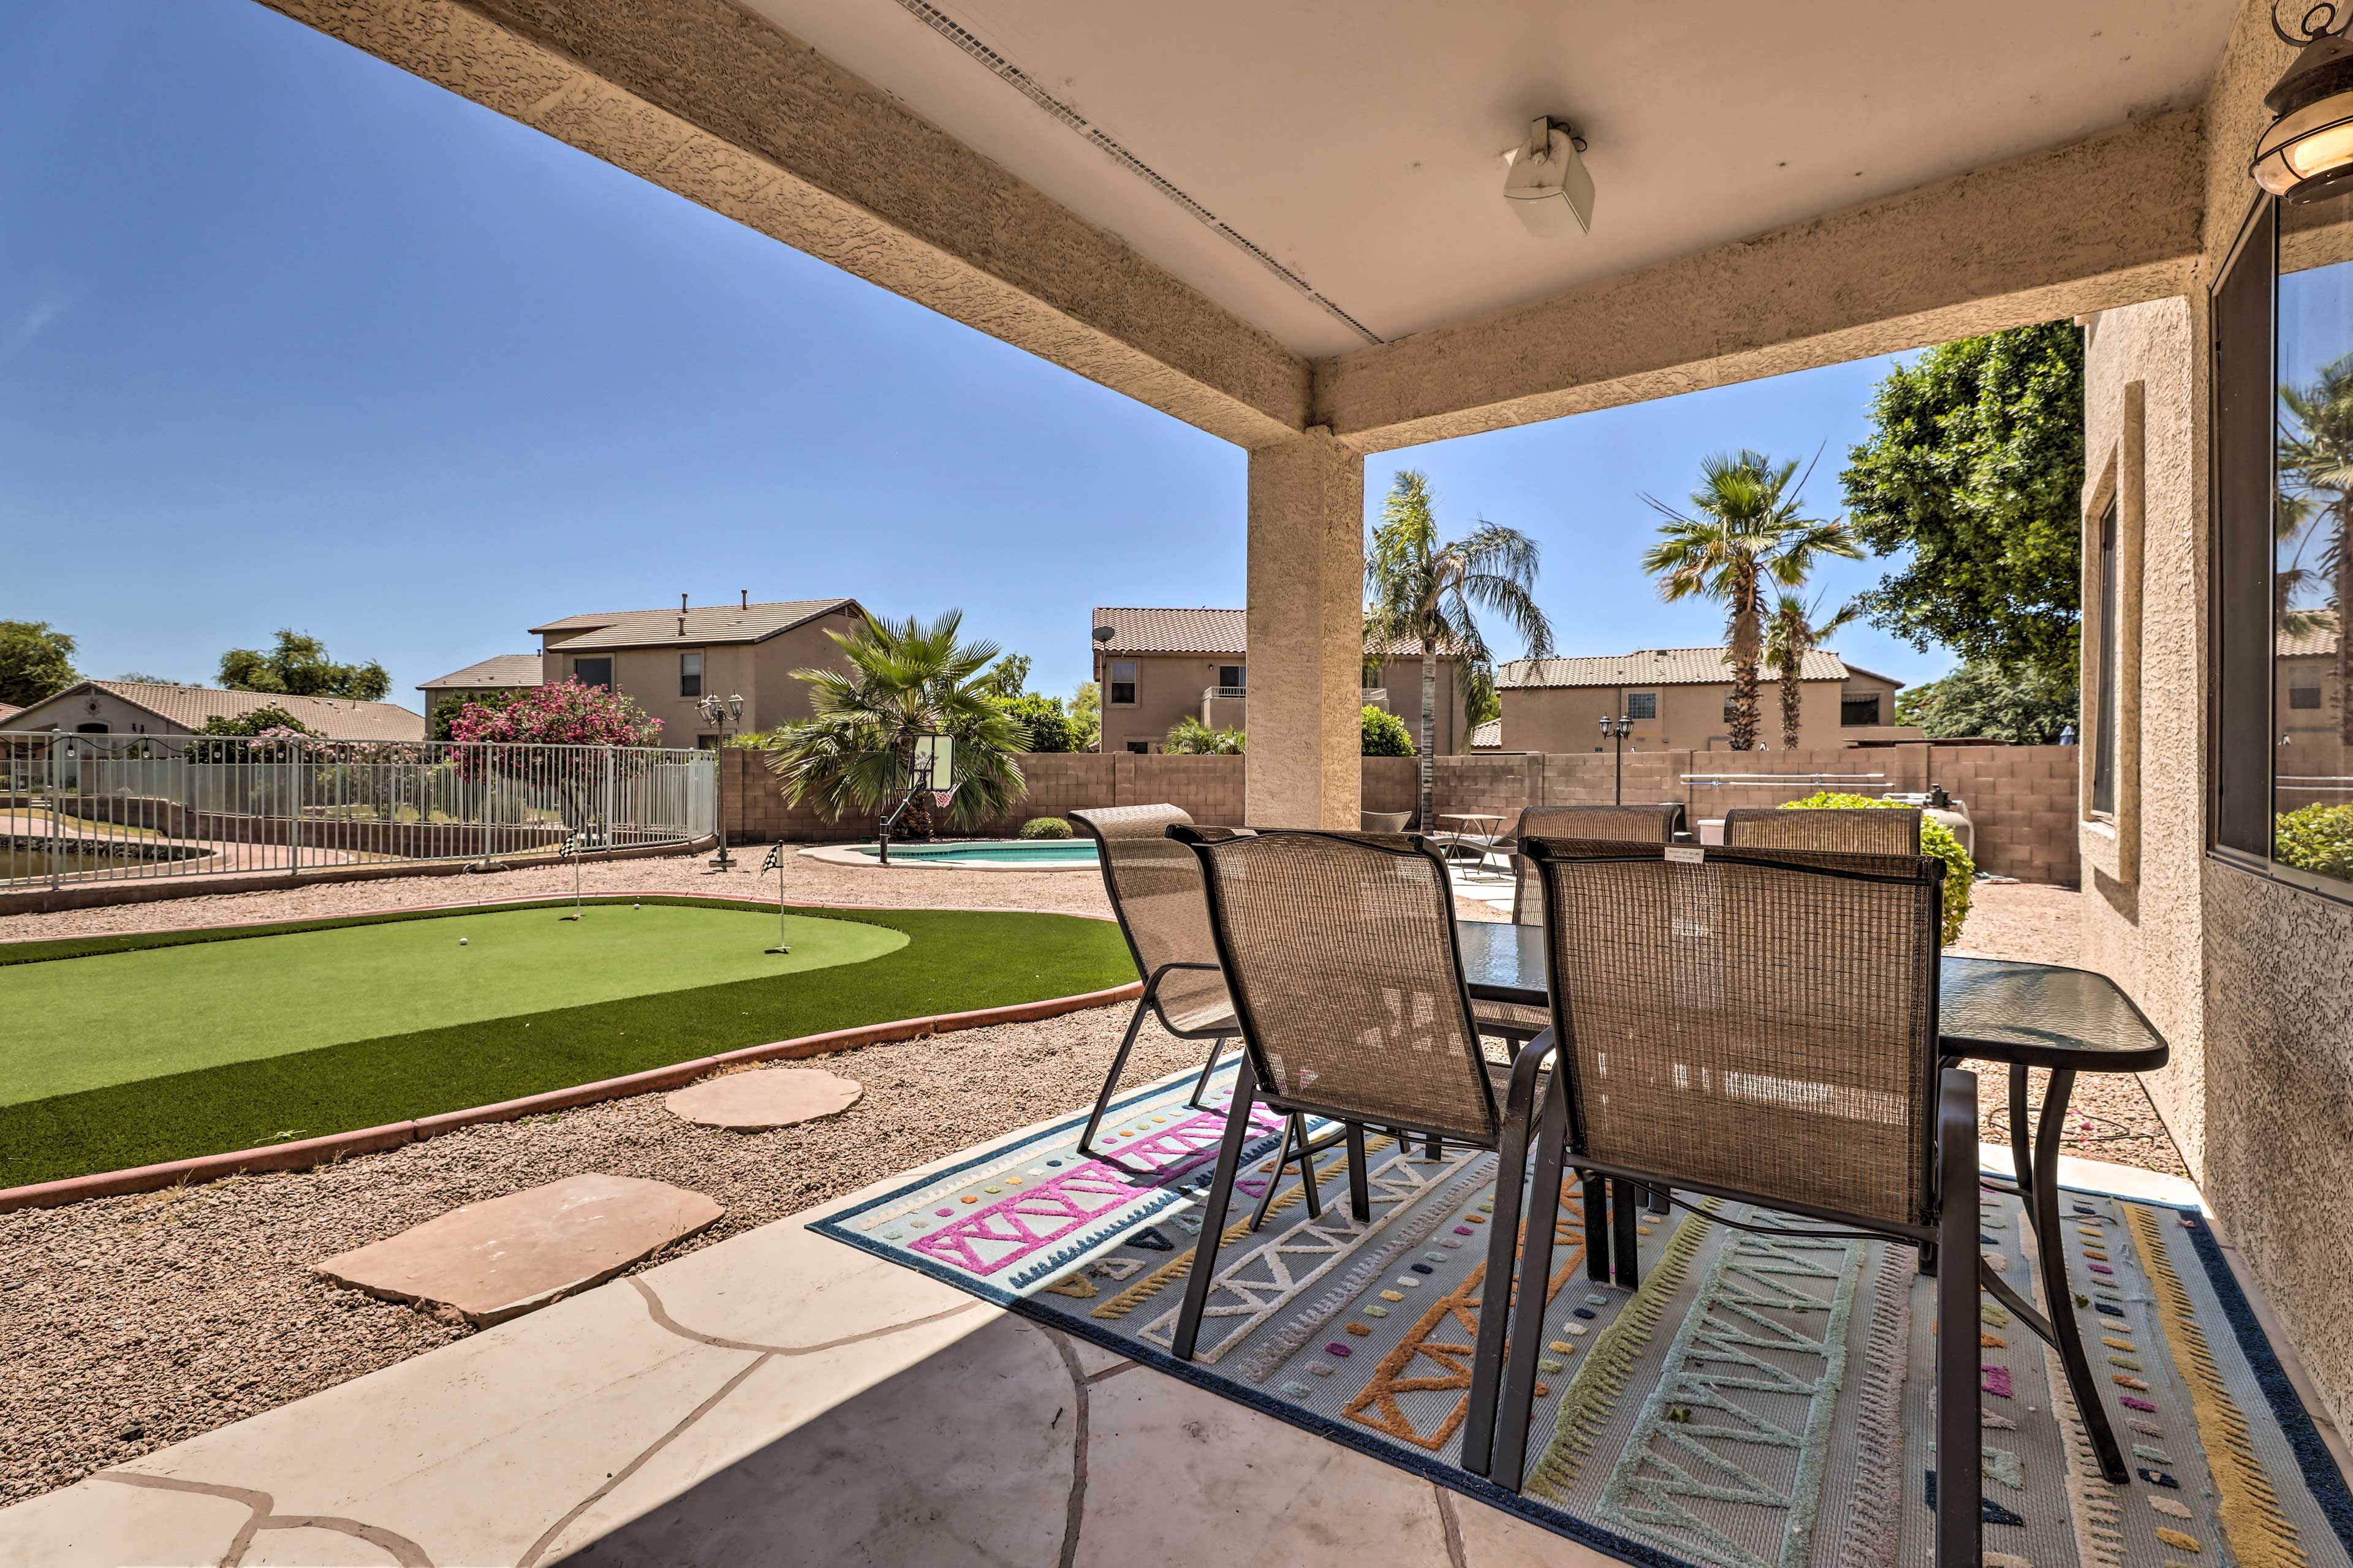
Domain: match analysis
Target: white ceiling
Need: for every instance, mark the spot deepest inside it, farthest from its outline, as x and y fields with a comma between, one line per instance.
x=1359, y=144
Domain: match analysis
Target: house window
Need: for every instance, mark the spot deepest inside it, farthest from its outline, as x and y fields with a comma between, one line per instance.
x=1859, y=710
x=690, y=675
x=90, y=730
x=1122, y=692
x=2104, y=742
x=1642, y=705
x=1140, y=748
x=593, y=672
x=706, y=742
x=1234, y=677
x=2284, y=447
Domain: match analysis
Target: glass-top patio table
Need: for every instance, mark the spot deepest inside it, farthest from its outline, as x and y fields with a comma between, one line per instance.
x=2025, y=1014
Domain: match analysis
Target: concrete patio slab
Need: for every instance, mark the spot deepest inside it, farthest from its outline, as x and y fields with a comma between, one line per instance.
x=771, y=1097
x=495, y=1261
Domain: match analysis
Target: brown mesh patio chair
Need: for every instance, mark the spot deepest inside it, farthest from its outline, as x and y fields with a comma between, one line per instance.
x=1760, y=1025
x=1340, y=953
x=1633, y=824
x=1841, y=830
x=1155, y=885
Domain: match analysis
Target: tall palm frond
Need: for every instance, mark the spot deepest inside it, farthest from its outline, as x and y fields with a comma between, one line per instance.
x=1795, y=629
x=1421, y=590
x=1741, y=530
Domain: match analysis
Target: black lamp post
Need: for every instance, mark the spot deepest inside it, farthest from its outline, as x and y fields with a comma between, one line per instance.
x=722, y=713
x=1615, y=730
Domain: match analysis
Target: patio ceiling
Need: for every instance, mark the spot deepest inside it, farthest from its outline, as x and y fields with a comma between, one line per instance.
x=1360, y=150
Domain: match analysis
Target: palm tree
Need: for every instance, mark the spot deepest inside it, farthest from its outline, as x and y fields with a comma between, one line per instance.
x=1191, y=738
x=2316, y=511
x=1423, y=591
x=906, y=679
x=1791, y=633
x=1743, y=528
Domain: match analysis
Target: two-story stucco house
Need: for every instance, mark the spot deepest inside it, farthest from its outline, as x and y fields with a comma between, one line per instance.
x=1155, y=666
x=669, y=659
x=1677, y=699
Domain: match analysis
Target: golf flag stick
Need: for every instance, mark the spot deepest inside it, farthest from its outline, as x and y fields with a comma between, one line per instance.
x=775, y=862
x=571, y=851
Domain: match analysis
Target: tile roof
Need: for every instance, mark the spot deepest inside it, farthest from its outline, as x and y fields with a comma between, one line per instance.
x=336, y=718
x=1488, y=737
x=2314, y=644
x=8, y=711
x=705, y=624
x=1650, y=666
x=500, y=670
x=1148, y=630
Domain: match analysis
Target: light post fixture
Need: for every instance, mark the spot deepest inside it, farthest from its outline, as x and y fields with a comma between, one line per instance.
x=1615, y=730
x=722, y=714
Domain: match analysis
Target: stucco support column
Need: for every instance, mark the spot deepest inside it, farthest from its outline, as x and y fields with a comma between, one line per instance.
x=1304, y=764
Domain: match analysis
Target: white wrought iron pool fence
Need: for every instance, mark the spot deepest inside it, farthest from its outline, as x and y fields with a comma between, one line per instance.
x=99, y=807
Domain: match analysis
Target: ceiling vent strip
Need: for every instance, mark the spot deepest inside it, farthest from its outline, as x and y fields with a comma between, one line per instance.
x=1024, y=83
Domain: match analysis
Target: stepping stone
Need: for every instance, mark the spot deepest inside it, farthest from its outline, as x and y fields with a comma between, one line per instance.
x=499, y=1259
x=773, y=1097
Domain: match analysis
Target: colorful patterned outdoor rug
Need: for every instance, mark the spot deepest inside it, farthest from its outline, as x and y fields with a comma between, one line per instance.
x=1759, y=1401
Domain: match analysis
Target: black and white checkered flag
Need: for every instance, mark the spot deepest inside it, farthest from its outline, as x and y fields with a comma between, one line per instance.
x=775, y=859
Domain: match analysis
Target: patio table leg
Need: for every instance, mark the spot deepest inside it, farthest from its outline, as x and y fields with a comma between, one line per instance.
x=2051, y=1252
x=1597, y=1228
x=1626, y=1198
x=1360, y=1185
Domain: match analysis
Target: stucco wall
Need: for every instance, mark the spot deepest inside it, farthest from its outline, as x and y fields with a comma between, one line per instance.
x=2251, y=980
x=1689, y=718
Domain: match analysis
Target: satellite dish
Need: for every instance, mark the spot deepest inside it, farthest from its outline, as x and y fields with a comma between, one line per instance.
x=1105, y=634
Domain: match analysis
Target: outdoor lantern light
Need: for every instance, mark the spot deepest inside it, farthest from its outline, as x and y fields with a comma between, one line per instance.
x=2307, y=151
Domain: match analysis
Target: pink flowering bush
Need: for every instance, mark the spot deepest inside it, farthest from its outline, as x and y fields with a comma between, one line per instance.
x=567, y=715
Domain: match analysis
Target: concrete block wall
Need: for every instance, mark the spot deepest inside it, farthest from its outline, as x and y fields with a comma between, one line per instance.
x=2022, y=798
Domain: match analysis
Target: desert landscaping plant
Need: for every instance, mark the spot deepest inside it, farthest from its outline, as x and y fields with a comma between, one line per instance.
x=1045, y=827
x=1385, y=734
x=2316, y=839
x=905, y=679
x=1191, y=738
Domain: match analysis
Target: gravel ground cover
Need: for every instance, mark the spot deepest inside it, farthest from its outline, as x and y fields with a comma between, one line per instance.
x=130, y=1323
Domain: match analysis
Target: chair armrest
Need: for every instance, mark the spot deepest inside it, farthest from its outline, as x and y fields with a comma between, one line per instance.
x=1956, y=1141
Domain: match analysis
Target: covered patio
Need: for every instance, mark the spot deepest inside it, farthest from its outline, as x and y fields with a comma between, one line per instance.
x=1290, y=230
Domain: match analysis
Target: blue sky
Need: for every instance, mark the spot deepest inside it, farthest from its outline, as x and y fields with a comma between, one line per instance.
x=288, y=337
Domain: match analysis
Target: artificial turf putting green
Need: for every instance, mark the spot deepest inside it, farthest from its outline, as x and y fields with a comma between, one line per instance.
x=223, y=1001
x=209, y=1084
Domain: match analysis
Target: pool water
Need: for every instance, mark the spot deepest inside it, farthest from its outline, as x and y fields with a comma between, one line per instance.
x=1048, y=852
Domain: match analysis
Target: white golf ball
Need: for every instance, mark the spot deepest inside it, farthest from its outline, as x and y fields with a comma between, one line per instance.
x=461, y=941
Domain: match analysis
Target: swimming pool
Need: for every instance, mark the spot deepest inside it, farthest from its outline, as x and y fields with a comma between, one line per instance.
x=973, y=855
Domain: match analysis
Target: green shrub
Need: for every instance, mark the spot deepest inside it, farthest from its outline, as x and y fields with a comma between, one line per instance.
x=1191, y=738
x=1385, y=734
x=1045, y=827
x=2317, y=839
x=1049, y=727
x=1935, y=839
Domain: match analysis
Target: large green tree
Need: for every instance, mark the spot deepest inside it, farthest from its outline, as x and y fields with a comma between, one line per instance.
x=1971, y=483
x=905, y=679
x=297, y=666
x=2025, y=704
x=36, y=662
x=1742, y=532
x=1422, y=589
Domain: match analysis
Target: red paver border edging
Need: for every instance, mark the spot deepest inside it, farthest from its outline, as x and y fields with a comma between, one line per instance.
x=308, y=1153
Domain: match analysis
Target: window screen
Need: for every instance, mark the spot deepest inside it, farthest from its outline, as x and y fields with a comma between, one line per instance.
x=1642, y=705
